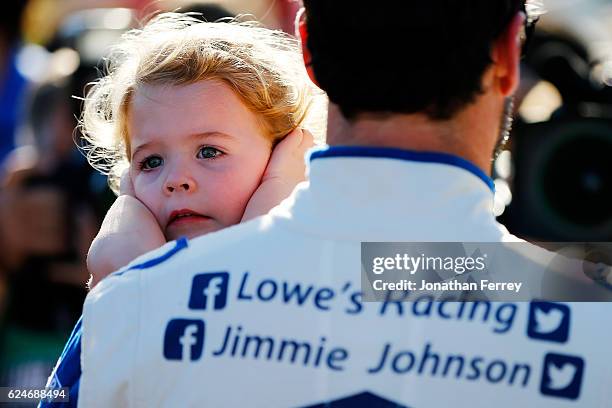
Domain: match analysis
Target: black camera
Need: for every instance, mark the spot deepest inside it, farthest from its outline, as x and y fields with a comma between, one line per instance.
x=562, y=182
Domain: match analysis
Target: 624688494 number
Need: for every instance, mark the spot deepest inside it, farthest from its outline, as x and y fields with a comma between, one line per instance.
x=9, y=394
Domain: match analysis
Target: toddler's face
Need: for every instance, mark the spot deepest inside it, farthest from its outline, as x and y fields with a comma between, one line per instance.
x=198, y=154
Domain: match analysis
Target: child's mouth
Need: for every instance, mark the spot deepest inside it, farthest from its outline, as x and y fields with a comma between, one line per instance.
x=185, y=216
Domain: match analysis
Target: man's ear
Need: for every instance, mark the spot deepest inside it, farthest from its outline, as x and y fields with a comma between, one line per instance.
x=506, y=55
x=302, y=34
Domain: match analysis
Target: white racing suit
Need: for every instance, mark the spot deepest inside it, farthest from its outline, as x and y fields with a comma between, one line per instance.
x=270, y=313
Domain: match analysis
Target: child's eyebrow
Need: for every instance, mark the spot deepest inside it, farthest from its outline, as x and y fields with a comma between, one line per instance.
x=205, y=135
x=196, y=136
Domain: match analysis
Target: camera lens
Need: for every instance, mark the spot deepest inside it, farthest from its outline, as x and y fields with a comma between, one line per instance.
x=577, y=180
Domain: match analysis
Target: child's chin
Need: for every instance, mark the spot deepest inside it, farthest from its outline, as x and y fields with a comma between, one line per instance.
x=190, y=233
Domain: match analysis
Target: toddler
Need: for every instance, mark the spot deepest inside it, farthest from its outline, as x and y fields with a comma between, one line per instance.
x=205, y=121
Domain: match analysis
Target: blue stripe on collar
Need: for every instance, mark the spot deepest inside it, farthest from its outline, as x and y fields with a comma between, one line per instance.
x=401, y=154
x=179, y=245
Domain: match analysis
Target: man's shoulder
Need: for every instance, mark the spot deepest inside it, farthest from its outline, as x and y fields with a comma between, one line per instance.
x=204, y=251
x=165, y=267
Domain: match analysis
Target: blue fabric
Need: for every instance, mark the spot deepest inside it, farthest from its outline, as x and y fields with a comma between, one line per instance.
x=12, y=89
x=401, y=154
x=181, y=244
x=68, y=371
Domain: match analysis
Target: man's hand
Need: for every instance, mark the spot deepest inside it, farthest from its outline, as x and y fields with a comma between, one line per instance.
x=286, y=168
x=128, y=231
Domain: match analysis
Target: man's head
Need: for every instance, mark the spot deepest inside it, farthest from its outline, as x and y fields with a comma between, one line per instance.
x=430, y=76
x=405, y=57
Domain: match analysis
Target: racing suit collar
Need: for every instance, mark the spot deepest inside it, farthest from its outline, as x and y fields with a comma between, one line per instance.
x=401, y=154
x=374, y=195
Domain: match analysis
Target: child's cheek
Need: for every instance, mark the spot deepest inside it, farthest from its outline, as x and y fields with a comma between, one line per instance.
x=246, y=184
x=228, y=197
x=148, y=193
x=138, y=187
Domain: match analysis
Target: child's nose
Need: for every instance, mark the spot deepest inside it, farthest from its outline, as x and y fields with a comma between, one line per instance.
x=179, y=182
x=183, y=186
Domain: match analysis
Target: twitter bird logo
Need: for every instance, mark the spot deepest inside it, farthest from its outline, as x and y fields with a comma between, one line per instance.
x=548, y=321
x=562, y=376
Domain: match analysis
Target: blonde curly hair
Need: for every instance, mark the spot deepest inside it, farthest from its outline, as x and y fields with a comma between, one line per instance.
x=263, y=67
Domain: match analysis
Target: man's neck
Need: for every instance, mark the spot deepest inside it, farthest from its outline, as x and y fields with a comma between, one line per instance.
x=466, y=135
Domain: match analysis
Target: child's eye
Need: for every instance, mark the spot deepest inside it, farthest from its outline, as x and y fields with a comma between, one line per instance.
x=207, y=152
x=151, y=162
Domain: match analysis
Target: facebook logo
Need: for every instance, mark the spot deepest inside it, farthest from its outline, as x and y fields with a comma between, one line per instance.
x=549, y=321
x=209, y=291
x=562, y=376
x=184, y=339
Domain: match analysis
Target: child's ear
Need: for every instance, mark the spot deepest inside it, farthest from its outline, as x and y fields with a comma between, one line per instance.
x=302, y=34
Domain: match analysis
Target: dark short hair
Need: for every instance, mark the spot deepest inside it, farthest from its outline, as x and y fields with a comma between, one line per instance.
x=404, y=56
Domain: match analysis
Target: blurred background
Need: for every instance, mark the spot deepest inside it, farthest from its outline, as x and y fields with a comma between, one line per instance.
x=553, y=181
